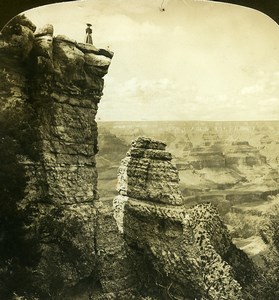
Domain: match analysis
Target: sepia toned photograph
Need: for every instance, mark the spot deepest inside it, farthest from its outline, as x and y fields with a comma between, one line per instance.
x=139, y=151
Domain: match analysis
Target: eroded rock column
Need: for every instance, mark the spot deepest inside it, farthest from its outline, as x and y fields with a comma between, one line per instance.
x=179, y=253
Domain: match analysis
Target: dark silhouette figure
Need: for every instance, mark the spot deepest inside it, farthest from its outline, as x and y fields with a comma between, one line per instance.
x=88, y=31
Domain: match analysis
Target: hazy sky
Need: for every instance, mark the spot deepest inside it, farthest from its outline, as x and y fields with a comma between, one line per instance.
x=197, y=60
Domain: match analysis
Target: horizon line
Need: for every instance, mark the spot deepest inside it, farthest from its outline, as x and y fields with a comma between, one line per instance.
x=273, y=120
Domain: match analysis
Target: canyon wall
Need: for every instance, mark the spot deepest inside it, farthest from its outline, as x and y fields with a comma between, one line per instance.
x=61, y=82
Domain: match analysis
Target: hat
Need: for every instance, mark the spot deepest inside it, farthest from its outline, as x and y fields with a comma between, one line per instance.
x=88, y=24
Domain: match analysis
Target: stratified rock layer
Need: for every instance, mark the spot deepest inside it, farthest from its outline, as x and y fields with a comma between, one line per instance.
x=147, y=173
x=179, y=253
x=243, y=154
x=62, y=82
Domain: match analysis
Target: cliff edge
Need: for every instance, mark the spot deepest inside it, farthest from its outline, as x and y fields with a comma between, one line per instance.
x=60, y=81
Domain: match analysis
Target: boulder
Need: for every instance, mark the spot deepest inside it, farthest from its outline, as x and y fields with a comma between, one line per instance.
x=43, y=41
x=88, y=48
x=45, y=30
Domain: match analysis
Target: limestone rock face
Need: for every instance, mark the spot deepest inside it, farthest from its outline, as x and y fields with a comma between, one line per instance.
x=147, y=173
x=54, y=78
x=185, y=253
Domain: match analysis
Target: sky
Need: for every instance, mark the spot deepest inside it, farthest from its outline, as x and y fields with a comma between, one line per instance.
x=197, y=60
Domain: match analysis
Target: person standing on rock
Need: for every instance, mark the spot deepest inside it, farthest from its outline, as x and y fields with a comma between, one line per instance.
x=88, y=31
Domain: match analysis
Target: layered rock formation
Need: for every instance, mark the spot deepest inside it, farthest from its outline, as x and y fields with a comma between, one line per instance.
x=207, y=154
x=179, y=253
x=61, y=81
x=151, y=176
x=243, y=154
x=206, y=157
x=216, y=166
x=211, y=138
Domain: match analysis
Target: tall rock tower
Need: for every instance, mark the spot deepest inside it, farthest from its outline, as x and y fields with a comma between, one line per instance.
x=61, y=82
